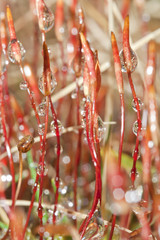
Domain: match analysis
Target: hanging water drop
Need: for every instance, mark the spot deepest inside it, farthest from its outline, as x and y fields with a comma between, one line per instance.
x=13, y=53
x=133, y=60
x=56, y=149
x=135, y=127
x=74, y=94
x=136, y=153
x=101, y=129
x=23, y=85
x=42, y=109
x=45, y=16
x=41, y=168
x=53, y=128
x=134, y=104
x=42, y=83
x=41, y=128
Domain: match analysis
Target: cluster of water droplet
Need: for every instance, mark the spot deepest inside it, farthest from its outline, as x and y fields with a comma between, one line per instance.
x=42, y=168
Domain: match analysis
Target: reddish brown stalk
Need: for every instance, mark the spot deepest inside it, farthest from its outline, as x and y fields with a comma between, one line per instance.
x=91, y=91
x=47, y=92
x=127, y=57
x=151, y=102
x=119, y=78
x=7, y=143
x=58, y=158
x=73, y=6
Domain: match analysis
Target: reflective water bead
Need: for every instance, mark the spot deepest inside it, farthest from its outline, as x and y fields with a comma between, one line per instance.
x=23, y=85
x=41, y=84
x=41, y=128
x=123, y=63
x=74, y=94
x=55, y=149
x=11, y=53
x=101, y=128
x=41, y=109
x=136, y=152
x=53, y=128
x=40, y=168
x=134, y=104
x=45, y=17
x=135, y=127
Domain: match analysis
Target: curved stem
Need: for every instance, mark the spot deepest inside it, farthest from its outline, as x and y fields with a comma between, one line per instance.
x=20, y=175
x=58, y=158
x=135, y=155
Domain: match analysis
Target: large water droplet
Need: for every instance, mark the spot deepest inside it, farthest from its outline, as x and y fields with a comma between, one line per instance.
x=134, y=104
x=46, y=18
x=23, y=85
x=41, y=83
x=123, y=63
x=40, y=169
x=11, y=53
x=53, y=128
x=41, y=128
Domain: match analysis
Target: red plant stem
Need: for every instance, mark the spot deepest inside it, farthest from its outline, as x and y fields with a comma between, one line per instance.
x=7, y=144
x=78, y=152
x=135, y=155
x=40, y=214
x=58, y=158
x=122, y=130
x=31, y=206
x=112, y=228
x=97, y=194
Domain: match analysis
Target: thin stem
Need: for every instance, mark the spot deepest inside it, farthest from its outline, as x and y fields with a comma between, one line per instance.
x=58, y=158
x=20, y=175
x=112, y=227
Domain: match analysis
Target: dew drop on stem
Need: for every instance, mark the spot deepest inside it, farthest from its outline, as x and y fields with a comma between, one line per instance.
x=135, y=127
x=40, y=168
x=41, y=109
x=41, y=129
x=74, y=94
x=134, y=104
x=53, y=128
x=55, y=149
x=41, y=83
x=133, y=60
x=12, y=53
x=23, y=85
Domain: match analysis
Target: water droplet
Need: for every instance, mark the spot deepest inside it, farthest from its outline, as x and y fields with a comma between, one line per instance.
x=133, y=59
x=101, y=129
x=45, y=17
x=135, y=127
x=134, y=104
x=74, y=94
x=41, y=128
x=41, y=83
x=40, y=168
x=23, y=85
x=5, y=178
x=62, y=188
x=12, y=54
x=53, y=128
x=55, y=149
x=41, y=109
x=95, y=229
x=136, y=152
